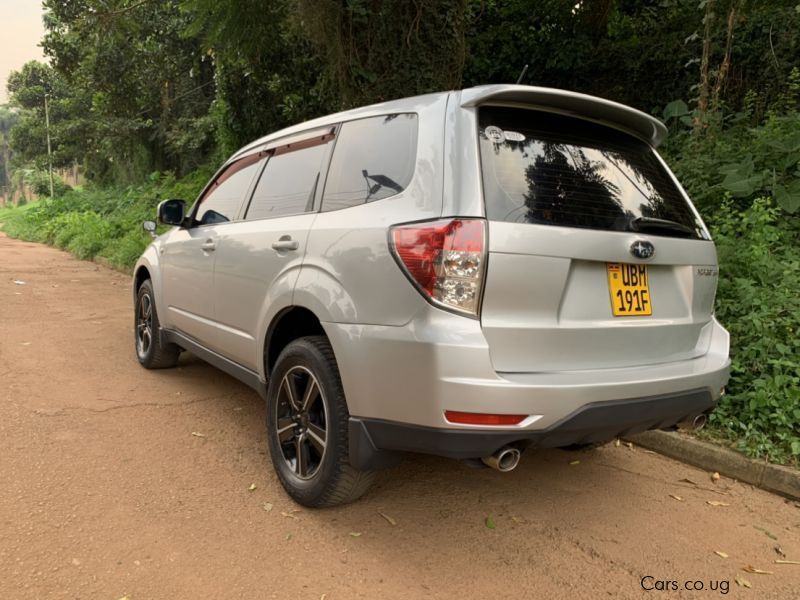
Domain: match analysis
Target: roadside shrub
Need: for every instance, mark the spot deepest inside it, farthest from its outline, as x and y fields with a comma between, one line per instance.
x=28, y=225
x=89, y=233
x=102, y=222
x=123, y=252
x=743, y=161
x=39, y=182
x=758, y=302
x=8, y=213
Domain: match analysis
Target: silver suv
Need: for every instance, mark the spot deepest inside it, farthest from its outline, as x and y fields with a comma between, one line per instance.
x=466, y=274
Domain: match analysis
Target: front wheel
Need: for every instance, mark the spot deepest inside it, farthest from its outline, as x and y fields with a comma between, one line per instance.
x=150, y=351
x=307, y=427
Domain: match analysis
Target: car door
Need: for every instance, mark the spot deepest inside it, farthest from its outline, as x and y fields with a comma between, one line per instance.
x=261, y=254
x=189, y=252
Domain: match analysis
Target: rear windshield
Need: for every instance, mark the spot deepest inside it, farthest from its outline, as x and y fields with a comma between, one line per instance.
x=550, y=169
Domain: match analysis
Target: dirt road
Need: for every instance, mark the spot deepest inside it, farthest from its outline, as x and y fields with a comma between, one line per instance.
x=107, y=491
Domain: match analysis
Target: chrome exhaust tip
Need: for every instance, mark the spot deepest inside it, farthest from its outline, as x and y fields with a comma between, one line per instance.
x=504, y=460
x=694, y=424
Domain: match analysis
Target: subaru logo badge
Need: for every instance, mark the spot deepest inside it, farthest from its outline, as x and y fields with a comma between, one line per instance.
x=643, y=249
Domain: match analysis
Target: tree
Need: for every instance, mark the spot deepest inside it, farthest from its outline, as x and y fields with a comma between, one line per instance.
x=27, y=89
x=169, y=85
x=8, y=119
x=267, y=73
x=146, y=87
x=376, y=50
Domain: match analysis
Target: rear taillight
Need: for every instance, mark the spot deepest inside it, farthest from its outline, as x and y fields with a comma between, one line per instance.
x=445, y=259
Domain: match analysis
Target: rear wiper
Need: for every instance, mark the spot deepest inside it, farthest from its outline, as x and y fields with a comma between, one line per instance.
x=651, y=224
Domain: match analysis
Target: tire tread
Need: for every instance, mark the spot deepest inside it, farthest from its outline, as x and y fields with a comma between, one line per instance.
x=347, y=483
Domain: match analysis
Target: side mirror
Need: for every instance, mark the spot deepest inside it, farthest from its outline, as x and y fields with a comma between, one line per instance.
x=150, y=227
x=172, y=212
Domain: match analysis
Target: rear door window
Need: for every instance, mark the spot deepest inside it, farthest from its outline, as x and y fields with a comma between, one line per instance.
x=287, y=185
x=550, y=169
x=374, y=159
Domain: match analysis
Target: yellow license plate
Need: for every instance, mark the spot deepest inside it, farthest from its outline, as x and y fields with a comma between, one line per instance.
x=630, y=290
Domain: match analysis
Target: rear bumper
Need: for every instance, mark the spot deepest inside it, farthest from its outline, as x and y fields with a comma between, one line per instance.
x=399, y=381
x=373, y=442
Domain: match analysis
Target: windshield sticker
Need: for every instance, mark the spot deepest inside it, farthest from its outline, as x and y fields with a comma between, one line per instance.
x=513, y=136
x=494, y=134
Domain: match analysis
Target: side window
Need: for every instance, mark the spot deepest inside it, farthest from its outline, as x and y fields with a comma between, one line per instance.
x=374, y=159
x=287, y=185
x=222, y=200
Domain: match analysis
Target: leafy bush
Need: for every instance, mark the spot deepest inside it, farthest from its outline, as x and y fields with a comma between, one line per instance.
x=758, y=302
x=84, y=234
x=744, y=175
x=123, y=252
x=39, y=182
x=101, y=222
x=744, y=161
x=10, y=212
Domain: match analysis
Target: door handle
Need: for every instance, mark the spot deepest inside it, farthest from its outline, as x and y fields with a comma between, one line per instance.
x=285, y=243
x=209, y=246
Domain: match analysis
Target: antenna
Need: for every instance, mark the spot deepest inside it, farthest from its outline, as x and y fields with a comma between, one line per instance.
x=521, y=75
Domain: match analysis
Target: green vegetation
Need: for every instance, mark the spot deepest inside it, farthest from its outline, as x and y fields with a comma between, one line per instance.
x=173, y=86
x=9, y=213
x=100, y=222
x=758, y=302
x=745, y=179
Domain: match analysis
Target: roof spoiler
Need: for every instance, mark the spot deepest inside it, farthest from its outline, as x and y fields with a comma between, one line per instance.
x=635, y=122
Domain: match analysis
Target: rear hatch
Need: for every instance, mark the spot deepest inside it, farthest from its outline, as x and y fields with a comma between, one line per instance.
x=596, y=258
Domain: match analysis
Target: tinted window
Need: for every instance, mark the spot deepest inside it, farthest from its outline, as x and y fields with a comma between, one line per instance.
x=222, y=200
x=287, y=185
x=374, y=158
x=554, y=170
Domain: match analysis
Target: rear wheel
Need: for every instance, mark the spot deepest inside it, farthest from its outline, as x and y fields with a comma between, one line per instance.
x=150, y=351
x=307, y=427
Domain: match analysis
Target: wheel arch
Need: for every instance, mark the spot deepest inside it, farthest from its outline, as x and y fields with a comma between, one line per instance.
x=141, y=275
x=148, y=267
x=289, y=324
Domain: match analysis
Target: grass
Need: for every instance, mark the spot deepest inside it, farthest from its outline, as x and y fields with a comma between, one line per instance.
x=104, y=223
x=11, y=212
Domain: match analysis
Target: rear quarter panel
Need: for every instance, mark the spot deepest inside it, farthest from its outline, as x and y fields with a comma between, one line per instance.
x=349, y=275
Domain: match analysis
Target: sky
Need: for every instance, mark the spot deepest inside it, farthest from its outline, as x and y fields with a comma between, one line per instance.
x=21, y=30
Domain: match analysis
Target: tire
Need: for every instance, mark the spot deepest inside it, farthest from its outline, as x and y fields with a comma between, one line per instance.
x=308, y=444
x=151, y=352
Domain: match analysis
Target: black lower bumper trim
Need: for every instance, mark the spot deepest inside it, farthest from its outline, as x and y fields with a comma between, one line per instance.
x=375, y=443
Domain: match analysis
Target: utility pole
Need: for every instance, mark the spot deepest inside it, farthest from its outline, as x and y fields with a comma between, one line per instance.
x=49, y=150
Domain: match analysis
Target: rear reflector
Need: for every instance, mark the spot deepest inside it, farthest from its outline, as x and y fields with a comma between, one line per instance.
x=445, y=260
x=466, y=418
